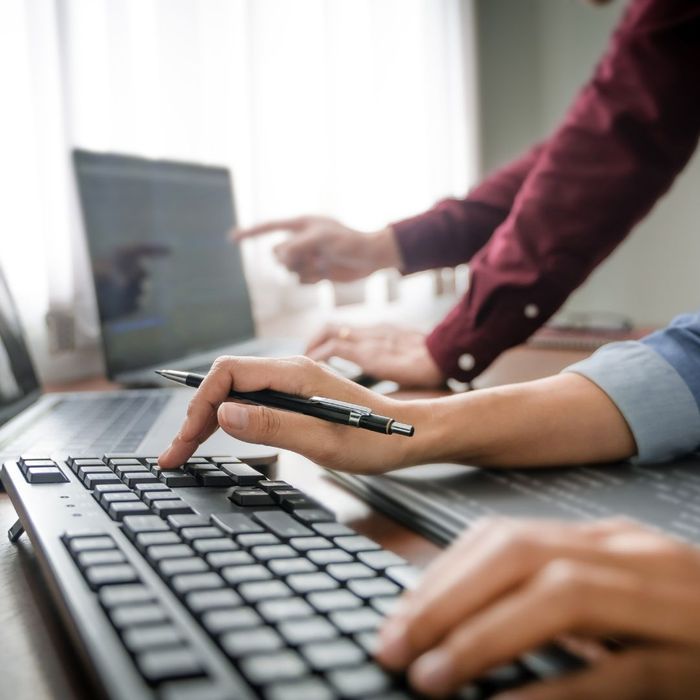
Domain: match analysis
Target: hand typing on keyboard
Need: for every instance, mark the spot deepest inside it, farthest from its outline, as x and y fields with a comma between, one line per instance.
x=509, y=586
x=323, y=442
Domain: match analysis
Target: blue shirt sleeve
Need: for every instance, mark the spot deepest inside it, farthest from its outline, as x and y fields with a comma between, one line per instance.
x=655, y=384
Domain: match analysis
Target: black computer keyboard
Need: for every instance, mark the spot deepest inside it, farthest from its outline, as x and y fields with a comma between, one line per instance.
x=212, y=582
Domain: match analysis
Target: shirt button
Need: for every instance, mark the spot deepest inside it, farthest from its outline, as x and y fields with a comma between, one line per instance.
x=456, y=386
x=466, y=362
x=532, y=311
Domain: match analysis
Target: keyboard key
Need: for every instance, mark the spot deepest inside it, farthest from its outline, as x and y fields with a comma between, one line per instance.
x=107, y=574
x=405, y=576
x=82, y=471
x=368, y=641
x=215, y=478
x=323, y=557
x=356, y=543
x=124, y=461
x=116, y=487
x=127, y=594
x=133, y=478
x=250, y=497
x=186, y=583
x=358, y=620
x=235, y=523
x=294, y=503
x=108, y=556
x=384, y=606
x=175, y=567
x=240, y=574
x=216, y=544
x=85, y=544
x=313, y=515
x=263, y=590
x=268, y=485
x=168, y=551
x=323, y=656
x=116, y=497
x=138, y=639
x=242, y=474
x=147, y=539
x=218, y=621
x=372, y=588
x=304, y=544
x=177, y=522
x=196, y=689
x=143, y=488
x=308, y=689
x=130, y=469
x=256, y=539
x=381, y=559
x=45, y=475
x=132, y=615
x=282, y=524
x=332, y=529
x=360, y=681
x=284, y=567
x=251, y=641
x=347, y=572
x=221, y=559
x=273, y=667
x=284, y=609
x=280, y=495
x=191, y=534
x=510, y=675
x=136, y=524
x=173, y=507
x=327, y=601
x=92, y=480
x=118, y=511
x=307, y=629
x=307, y=583
x=211, y=600
x=168, y=664
x=175, y=480
x=150, y=497
x=274, y=551
x=76, y=463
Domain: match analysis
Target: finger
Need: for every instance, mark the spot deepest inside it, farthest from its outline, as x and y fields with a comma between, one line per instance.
x=303, y=253
x=347, y=349
x=565, y=597
x=330, y=330
x=181, y=449
x=293, y=225
x=631, y=675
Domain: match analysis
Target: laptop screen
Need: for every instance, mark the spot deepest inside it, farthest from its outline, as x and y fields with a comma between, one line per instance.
x=18, y=383
x=169, y=281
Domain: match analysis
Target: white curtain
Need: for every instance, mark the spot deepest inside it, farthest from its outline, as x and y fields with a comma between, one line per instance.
x=360, y=109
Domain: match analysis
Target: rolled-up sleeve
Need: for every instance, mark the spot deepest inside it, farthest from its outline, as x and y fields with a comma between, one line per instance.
x=655, y=384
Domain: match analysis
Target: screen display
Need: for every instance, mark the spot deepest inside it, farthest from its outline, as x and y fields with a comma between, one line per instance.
x=169, y=281
x=18, y=382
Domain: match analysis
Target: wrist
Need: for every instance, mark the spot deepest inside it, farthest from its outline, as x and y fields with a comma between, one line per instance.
x=383, y=249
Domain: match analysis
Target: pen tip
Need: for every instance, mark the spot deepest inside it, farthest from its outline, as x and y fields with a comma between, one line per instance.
x=160, y=371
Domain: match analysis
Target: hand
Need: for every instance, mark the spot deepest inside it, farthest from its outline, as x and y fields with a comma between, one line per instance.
x=508, y=586
x=382, y=351
x=323, y=248
x=330, y=444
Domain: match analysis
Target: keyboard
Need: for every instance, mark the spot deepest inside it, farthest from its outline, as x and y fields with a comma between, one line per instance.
x=214, y=582
x=99, y=424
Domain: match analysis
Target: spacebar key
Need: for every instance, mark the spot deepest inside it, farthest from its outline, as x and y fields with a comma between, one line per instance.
x=281, y=524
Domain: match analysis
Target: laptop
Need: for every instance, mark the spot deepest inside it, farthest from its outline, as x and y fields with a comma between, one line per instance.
x=170, y=284
x=95, y=423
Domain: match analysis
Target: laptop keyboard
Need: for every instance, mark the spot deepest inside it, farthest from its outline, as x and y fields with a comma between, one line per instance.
x=95, y=426
x=287, y=597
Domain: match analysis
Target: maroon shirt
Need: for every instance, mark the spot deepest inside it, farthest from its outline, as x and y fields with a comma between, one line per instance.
x=533, y=231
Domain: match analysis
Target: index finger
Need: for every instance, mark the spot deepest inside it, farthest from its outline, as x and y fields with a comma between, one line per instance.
x=294, y=225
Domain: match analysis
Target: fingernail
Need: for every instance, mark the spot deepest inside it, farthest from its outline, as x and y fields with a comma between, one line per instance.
x=233, y=415
x=392, y=647
x=432, y=671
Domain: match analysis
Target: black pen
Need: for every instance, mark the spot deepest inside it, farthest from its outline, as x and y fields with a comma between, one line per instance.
x=316, y=406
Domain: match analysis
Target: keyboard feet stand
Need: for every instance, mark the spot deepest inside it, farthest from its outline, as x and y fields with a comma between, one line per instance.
x=15, y=532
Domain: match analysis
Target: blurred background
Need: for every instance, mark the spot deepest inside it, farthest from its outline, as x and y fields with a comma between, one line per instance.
x=365, y=110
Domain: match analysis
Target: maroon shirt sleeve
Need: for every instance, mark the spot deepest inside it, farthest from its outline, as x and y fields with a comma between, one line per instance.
x=455, y=229
x=631, y=129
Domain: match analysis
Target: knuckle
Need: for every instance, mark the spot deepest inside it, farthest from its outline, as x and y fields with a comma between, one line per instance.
x=268, y=423
x=564, y=581
x=223, y=362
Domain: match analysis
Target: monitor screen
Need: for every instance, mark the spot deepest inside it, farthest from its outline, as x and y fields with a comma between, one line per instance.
x=18, y=382
x=168, y=279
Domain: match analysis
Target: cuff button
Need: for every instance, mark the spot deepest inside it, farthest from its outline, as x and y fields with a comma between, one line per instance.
x=532, y=311
x=466, y=362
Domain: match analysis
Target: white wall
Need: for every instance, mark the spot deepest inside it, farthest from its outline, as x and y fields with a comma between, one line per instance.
x=534, y=55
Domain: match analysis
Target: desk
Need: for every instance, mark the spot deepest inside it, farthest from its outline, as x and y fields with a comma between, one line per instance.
x=36, y=661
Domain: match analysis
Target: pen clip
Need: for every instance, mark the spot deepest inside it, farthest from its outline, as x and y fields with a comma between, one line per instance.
x=334, y=403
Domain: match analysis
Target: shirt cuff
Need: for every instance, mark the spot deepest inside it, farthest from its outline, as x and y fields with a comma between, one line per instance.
x=653, y=398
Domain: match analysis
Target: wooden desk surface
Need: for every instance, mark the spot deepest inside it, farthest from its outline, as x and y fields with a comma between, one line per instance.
x=35, y=653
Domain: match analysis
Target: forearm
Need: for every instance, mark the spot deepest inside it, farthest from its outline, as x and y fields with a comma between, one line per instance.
x=560, y=420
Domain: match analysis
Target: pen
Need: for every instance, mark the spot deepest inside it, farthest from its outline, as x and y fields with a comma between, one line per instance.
x=315, y=406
